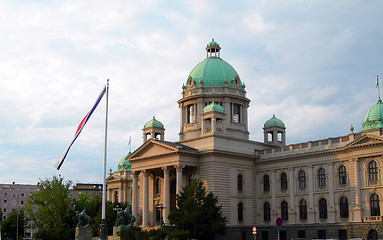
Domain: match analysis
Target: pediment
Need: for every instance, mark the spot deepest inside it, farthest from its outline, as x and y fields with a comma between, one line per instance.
x=150, y=149
x=112, y=178
x=365, y=140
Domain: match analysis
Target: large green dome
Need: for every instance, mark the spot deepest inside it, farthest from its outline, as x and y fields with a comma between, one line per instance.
x=213, y=71
x=374, y=117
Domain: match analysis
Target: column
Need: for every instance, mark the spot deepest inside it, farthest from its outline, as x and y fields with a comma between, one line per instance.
x=166, y=196
x=134, y=195
x=274, y=195
x=311, y=207
x=145, y=197
x=331, y=210
x=358, y=202
x=179, y=179
x=292, y=219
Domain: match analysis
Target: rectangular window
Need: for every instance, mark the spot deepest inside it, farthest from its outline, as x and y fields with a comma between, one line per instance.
x=5, y=202
x=190, y=113
x=5, y=194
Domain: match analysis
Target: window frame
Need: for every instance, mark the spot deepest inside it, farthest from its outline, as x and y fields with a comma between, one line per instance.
x=283, y=179
x=321, y=177
x=266, y=183
x=372, y=171
x=303, y=209
x=374, y=205
x=302, y=179
x=266, y=212
x=343, y=207
x=284, y=210
x=342, y=171
x=322, y=208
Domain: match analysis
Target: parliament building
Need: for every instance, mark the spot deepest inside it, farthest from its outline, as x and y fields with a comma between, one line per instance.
x=330, y=188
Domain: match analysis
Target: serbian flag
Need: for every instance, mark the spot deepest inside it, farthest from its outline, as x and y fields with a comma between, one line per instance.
x=79, y=128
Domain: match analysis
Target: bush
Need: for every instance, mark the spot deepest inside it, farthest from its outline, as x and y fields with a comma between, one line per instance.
x=179, y=235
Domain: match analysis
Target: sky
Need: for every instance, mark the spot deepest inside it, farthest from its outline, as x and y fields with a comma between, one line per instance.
x=313, y=64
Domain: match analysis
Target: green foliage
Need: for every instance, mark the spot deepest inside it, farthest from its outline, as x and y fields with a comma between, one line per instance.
x=197, y=212
x=51, y=209
x=179, y=235
x=15, y=220
x=135, y=233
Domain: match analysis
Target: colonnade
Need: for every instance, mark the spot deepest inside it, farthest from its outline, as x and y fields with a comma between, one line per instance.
x=165, y=197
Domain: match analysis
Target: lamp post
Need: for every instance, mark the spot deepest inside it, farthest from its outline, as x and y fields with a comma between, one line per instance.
x=161, y=207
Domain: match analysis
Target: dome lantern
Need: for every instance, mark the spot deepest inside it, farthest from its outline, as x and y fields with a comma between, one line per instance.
x=213, y=49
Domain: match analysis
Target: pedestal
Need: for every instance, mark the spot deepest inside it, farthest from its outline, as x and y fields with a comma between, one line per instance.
x=84, y=233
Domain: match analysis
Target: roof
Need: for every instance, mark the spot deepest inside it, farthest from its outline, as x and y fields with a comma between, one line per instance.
x=374, y=117
x=213, y=71
x=124, y=165
x=153, y=123
x=274, y=122
x=213, y=107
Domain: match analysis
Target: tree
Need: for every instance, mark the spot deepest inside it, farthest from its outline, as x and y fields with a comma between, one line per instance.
x=13, y=225
x=51, y=209
x=197, y=212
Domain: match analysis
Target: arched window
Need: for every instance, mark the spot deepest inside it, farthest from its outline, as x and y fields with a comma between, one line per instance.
x=372, y=171
x=240, y=212
x=284, y=211
x=322, y=208
x=303, y=209
x=158, y=186
x=283, y=181
x=342, y=175
x=266, y=183
x=240, y=183
x=321, y=177
x=302, y=179
x=266, y=211
x=190, y=113
x=372, y=235
x=236, y=114
x=374, y=205
x=343, y=204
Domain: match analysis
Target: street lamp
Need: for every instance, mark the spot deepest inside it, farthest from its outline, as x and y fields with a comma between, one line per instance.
x=161, y=207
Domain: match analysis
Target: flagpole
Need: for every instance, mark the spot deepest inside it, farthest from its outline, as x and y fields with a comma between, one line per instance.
x=377, y=85
x=103, y=231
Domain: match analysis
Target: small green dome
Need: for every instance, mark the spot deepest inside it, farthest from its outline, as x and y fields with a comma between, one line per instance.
x=213, y=71
x=213, y=43
x=374, y=117
x=124, y=165
x=274, y=122
x=153, y=123
x=213, y=107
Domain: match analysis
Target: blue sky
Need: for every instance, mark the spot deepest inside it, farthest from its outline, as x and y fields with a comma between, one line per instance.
x=312, y=63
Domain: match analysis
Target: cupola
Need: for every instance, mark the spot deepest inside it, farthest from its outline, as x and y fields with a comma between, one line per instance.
x=274, y=131
x=153, y=129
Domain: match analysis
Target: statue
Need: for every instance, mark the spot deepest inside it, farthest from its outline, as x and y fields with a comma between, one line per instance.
x=125, y=218
x=84, y=219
